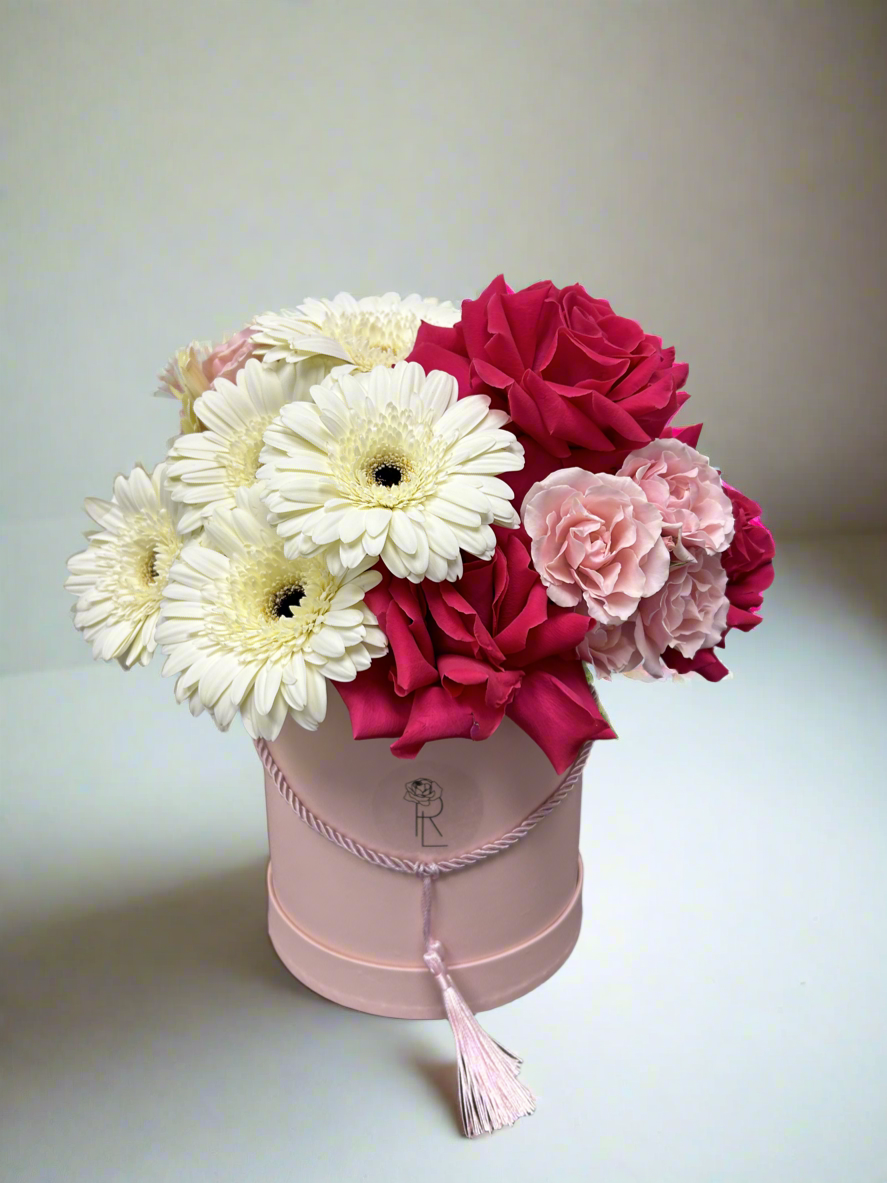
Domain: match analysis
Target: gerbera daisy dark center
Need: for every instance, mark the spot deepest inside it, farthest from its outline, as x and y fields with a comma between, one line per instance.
x=387, y=475
x=285, y=599
x=151, y=570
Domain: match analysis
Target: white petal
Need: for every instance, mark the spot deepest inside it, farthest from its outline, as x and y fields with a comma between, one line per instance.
x=480, y=542
x=351, y=554
x=217, y=679
x=305, y=422
x=352, y=525
x=394, y=560
x=347, y=595
x=441, y=537
x=377, y=520
x=327, y=529
x=376, y=638
x=346, y=618
x=115, y=640
x=295, y=681
x=179, y=659
x=244, y=680
x=328, y=642
x=341, y=669
x=454, y=514
x=417, y=563
x=306, y=488
x=437, y=567
x=224, y=710
x=493, y=463
x=373, y=546
x=316, y=703
x=267, y=685
x=504, y=513
x=462, y=494
x=402, y=532
x=440, y=392
x=463, y=416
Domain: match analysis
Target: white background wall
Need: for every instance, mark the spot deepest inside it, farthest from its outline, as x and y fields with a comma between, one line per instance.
x=716, y=169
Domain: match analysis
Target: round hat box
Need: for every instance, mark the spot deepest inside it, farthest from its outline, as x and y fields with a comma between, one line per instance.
x=352, y=931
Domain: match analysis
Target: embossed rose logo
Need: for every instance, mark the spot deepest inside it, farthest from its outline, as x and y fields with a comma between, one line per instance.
x=427, y=796
x=422, y=791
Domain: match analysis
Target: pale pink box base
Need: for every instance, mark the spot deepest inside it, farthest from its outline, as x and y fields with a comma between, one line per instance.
x=352, y=932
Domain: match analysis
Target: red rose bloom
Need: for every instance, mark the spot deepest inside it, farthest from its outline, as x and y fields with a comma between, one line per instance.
x=748, y=562
x=583, y=386
x=464, y=655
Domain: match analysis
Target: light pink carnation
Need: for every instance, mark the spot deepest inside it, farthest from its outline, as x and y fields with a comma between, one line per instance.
x=595, y=538
x=680, y=482
x=688, y=614
x=610, y=649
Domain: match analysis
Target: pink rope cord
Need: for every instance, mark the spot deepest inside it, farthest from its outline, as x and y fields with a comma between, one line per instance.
x=393, y=862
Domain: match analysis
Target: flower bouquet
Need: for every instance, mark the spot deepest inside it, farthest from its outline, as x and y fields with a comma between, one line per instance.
x=460, y=520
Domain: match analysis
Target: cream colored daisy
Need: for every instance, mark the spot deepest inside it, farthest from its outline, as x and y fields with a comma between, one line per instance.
x=119, y=579
x=249, y=630
x=374, y=331
x=390, y=463
x=206, y=468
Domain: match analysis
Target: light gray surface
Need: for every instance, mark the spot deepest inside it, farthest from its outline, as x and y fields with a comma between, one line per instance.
x=723, y=1019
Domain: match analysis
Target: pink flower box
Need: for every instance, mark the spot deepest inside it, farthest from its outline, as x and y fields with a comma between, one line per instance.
x=353, y=932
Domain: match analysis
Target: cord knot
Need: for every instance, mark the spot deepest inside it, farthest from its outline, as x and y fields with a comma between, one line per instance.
x=434, y=958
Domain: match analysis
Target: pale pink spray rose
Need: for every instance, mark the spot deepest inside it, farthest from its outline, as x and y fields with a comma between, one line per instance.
x=194, y=368
x=687, y=491
x=688, y=614
x=595, y=539
x=226, y=360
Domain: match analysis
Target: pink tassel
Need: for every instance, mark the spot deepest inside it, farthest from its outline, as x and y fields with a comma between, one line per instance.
x=490, y=1094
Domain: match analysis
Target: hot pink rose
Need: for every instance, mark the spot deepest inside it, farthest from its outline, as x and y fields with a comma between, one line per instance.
x=687, y=491
x=464, y=655
x=748, y=562
x=597, y=540
x=231, y=356
x=582, y=385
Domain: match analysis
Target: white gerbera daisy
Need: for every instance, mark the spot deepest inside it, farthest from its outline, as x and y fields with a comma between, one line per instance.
x=390, y=463
x=249, y=630
x=206, y=468
x=120, y=577
x=374, y=331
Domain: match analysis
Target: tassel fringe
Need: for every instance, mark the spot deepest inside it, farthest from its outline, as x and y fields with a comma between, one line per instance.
x=490, y=1095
